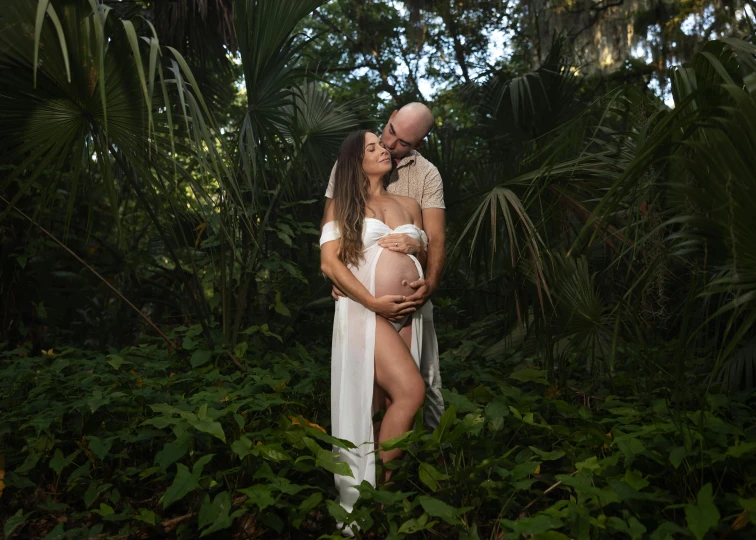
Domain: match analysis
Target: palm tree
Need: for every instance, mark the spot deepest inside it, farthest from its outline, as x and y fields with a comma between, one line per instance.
x=86, y=91
x=624, y=202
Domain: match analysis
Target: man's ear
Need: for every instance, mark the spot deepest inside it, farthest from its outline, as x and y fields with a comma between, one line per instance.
x=419, y=145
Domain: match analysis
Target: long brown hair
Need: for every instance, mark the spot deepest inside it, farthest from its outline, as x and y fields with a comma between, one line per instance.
x=350, y=192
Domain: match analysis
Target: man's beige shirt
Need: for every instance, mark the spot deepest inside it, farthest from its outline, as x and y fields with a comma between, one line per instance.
x=414, y=177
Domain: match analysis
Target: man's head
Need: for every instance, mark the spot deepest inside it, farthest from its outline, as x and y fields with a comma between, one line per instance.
x=406, y=129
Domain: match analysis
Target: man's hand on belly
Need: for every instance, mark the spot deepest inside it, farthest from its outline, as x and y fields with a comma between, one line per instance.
x=422, y=293
x=392, y=307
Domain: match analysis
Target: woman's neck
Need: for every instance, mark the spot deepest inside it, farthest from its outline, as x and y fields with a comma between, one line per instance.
x=376, y=186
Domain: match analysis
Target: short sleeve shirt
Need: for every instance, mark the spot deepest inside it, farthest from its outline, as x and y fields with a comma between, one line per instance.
x=414, y=177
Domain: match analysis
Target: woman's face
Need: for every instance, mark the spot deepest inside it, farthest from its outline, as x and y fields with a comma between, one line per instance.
x=377, y=160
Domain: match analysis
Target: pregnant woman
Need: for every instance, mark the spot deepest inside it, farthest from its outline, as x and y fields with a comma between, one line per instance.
x=374, y=361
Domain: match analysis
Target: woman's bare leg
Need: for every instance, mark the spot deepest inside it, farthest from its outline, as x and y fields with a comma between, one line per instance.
x=397, y=374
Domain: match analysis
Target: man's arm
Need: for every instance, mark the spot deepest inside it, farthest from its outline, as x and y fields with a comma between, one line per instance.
x=434, y=224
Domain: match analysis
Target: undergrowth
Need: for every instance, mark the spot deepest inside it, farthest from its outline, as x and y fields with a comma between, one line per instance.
x=144, y=443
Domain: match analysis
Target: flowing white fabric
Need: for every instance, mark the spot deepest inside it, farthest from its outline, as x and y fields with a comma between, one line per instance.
x=353, y=359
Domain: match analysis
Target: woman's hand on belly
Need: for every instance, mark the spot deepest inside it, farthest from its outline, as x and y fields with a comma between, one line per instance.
x=401, y=243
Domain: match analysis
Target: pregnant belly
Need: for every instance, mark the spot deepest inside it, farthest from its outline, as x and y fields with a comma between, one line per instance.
x=391, y=270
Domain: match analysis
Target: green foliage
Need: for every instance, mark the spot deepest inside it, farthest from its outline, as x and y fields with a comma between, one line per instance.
x=138, y=439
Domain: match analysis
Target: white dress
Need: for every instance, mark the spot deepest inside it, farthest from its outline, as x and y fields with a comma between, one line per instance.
x=353, y=359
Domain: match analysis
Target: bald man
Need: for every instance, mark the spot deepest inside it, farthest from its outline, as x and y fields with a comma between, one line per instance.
x=416, y=177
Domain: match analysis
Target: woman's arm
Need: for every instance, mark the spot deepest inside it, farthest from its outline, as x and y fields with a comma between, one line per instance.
x=391, y=307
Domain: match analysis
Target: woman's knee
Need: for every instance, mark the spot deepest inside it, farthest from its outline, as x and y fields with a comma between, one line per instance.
x=415, y=395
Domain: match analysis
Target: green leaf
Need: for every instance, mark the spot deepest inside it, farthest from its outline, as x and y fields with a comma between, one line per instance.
x=440, y=509
x=311, y=502
x=280, y=307
x=94, y=491
x=703, y=516
x=677, y=455
x=637, y=529
x=412, y=526
x=430, y=476
x=171, y=453
x=242, y=447
x=58, y=533
x=184, y=483
x=104, y=510
x=218, y=509
x=116, y=361
x=329, y=461
x=146, y=516
x=200, y=357
x=208, y=425
x=396, y=442
x=99, y=448
x=741, y=448
x=547, y=456
x=496, y=409
x=337, y=511
x=273, y=452
x=530, y=375
x=259, y=494
x=590, y=465
x=14, y=522
x=58, y=462
x=635, y=480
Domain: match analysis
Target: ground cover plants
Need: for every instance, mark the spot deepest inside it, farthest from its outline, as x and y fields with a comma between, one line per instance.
x=136, y=443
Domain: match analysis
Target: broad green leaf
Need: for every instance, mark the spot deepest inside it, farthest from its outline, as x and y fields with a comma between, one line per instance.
x=702, y=516
x=635, y=480
x=547, y=456
x=536, y=525
x=242, y=447
x=530, y=375
x=273, y=452
x=637, y=529
x=329, y=461
x=259, y=494
x=171, y=453
x=677, y=455
x=208, y=425
x=311, y=502
x=496, y=409
x=99, y=447
x=396, y=442
x=58, y=462
x=117, y=361
x=200, y=357
x=430, y=476
x=104, y=510
x=93, y=491
x=147, y=516
x=440, y=509
x=14, y=522
x=337, y=511
x=219, y=508
x=184, y=483
x=741, y=448
x=58, y=533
